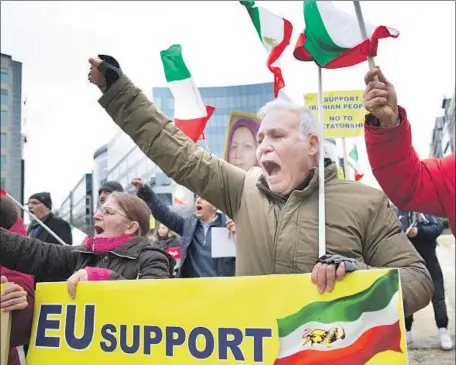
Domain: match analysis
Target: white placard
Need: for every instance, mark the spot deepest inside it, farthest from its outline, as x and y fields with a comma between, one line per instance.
x=223, y=243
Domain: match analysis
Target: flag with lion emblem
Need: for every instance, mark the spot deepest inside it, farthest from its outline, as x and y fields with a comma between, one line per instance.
x=347, y=330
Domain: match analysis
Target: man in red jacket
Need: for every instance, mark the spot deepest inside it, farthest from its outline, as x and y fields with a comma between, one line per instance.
x=426, y=186
x=19, y=297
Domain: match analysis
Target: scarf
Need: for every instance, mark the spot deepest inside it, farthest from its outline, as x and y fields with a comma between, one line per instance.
x=105, y=244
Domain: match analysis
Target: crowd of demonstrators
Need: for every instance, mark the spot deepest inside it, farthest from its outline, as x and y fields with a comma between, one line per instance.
x=40, y=204
x=275, y=205
x=423, y=231
x=426, y=186
x=18, y=296
x=195, y=232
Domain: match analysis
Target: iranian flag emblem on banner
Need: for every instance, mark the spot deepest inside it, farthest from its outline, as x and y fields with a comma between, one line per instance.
x=345, y=331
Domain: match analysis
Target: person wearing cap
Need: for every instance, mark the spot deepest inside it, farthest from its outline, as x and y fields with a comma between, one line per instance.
x=40, y=204
x=106, y=189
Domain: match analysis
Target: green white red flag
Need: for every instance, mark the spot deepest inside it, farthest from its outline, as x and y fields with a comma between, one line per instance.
x=190, y=113
x=361, y=325
x=353, y=161
x=275, y=33
x=332, y=38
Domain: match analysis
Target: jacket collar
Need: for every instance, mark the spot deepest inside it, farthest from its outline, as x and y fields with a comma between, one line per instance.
x=307, y=187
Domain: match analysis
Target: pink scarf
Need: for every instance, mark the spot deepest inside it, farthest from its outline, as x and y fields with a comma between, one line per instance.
x=105, y=244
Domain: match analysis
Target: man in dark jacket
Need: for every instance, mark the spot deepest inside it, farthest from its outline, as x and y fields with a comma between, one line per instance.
x=422, y=231
x=195, y=232
x=40, y=204
x=108, y=188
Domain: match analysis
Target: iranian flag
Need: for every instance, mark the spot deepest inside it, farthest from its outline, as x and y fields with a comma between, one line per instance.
x=345, y=331
x=353, y=161
x=190, y=113
x=332, y=38
x=275, y=33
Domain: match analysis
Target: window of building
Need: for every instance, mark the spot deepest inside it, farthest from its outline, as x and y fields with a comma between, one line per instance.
x=4, y=97
x=4, y=118
x=4, y=72
x=3, y=141
x=3, y=163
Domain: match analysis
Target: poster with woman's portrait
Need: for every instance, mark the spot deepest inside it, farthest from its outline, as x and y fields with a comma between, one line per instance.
x=240, y=144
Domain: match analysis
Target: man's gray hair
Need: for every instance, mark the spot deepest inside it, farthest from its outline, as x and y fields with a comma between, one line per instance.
x=309, y=124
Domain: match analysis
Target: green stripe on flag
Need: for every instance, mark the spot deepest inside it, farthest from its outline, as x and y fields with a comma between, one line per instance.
x=318, y=41
x=254, y=14
x=345, y=309
x=174, y=65
x=354, y=153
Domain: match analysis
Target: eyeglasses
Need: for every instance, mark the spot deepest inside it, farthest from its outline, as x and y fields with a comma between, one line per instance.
x=110, y=211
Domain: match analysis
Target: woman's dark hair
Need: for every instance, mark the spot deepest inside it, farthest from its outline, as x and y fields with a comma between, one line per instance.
x=8, y=212
x=135, y=209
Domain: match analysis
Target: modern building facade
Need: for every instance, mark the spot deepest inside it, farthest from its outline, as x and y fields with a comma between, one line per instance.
x=77, y=208
x=100, y=172
x=443, y=134
x=12, y=166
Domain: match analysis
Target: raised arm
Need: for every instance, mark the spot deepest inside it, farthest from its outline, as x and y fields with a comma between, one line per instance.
x=410, y=183
x=46, y=261
x=180, y=158
x=159, y=209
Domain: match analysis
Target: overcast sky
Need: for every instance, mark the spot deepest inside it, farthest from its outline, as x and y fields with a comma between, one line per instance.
x=65, y=124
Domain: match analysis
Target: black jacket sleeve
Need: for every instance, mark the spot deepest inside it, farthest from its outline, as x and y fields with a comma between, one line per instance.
x=47, y=261
x=62, y=229
x=431, y=229
x=161, y=211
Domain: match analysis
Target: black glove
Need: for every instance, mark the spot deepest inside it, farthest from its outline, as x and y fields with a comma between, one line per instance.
x=110, y=69
x=350, y=264
x=145, y=193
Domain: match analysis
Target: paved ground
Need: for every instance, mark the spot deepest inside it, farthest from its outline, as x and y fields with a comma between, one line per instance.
x=425, y=348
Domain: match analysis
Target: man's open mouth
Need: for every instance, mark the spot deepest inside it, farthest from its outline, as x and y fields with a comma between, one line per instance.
x=271, y=168
x=199, y=208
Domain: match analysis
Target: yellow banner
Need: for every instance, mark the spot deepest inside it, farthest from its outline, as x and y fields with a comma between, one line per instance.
x=275, y=319
x=343, y=112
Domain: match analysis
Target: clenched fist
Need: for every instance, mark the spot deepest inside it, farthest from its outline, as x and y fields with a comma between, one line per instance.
x=380, y=98
x=104, y=71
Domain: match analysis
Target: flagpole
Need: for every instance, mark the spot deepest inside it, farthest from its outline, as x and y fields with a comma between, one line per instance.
x=362, y=28
x=36, y=219
x=344, y=147
x=321, y=175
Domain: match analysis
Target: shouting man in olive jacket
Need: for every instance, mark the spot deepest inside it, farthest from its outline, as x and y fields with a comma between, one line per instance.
x=275, y=206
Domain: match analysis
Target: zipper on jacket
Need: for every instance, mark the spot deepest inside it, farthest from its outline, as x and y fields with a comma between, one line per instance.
x=123, y=256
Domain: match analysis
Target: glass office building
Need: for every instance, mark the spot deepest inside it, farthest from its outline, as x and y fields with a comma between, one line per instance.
x=77, y=208
x=12, y=170
x=443, y=134
x=99, y=173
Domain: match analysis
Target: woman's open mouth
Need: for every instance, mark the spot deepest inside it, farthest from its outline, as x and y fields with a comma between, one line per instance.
x=98, y=230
